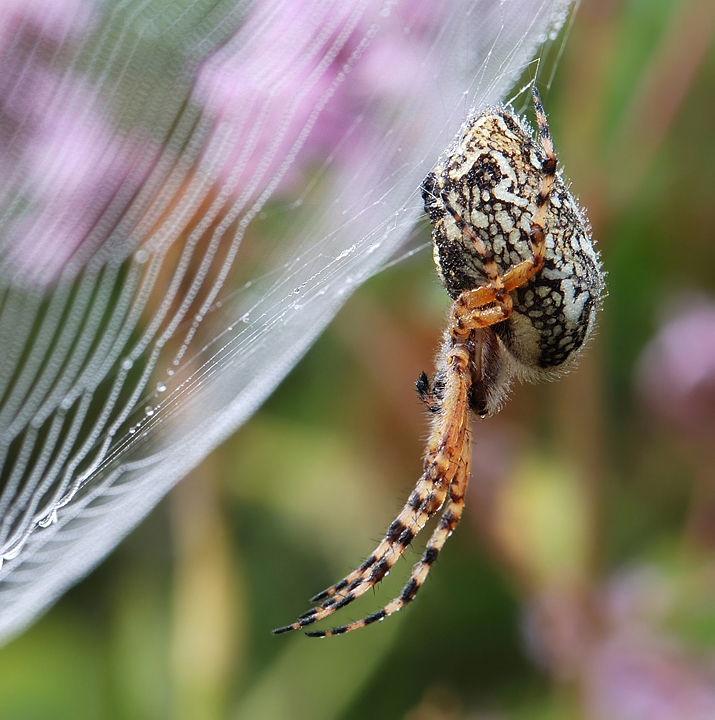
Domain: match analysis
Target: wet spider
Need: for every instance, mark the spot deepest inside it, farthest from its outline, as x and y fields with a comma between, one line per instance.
x=514, y=251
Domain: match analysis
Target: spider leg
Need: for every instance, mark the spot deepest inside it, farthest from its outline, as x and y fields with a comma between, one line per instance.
x=442, y=462
x=426, y=393
x=444, y=529
x=424, y=501
x=478, y=308
x=405, y=519
x=548, y=173
x=548, y=167
x=431, y=499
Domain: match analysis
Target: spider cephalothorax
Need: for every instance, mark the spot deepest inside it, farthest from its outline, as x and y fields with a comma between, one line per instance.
x=514, y=251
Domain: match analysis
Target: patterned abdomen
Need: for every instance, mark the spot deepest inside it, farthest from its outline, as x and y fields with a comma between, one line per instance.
x=491, y=177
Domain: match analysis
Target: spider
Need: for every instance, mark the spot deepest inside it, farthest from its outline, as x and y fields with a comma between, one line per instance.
x=514, y=251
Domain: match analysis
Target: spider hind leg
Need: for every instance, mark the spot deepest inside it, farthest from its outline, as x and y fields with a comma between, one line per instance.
x=425, y=500
x=443, y=463
x=445, y=527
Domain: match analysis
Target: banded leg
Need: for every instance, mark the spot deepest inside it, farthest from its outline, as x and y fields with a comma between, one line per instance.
x=548, y=169
x=426, y=393
x=444, y=529
x=442, y=463
x=436, y=472
x=537, y=235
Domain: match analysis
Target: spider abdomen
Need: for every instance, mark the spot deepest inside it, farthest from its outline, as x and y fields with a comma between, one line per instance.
x=491, y=178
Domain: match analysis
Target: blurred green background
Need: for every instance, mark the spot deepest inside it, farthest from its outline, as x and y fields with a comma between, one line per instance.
x=571, y=482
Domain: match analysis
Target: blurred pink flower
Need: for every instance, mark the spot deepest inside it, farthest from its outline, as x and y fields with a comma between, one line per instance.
x=276, y=91
x=47, y=21
x=73, y=167
x=637, y=671
x=281, y=87
x=645, y=676
x=616, y=649
x=558, y=628
x=31, y=34
x=676, y=373
x=62, y=162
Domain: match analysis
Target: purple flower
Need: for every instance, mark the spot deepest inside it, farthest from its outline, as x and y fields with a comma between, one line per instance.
x=62, y=161
x=676, y=373
x=644, y=676
x=48, y=21
x=617, y=651
x=281, y=86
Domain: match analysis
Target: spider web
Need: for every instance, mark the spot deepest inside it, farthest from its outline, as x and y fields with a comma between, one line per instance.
x=190, y=190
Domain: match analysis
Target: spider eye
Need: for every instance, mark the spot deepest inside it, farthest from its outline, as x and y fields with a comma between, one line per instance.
x=482, y=409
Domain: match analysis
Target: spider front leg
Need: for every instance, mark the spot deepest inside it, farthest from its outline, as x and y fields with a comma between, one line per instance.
x=444, y=458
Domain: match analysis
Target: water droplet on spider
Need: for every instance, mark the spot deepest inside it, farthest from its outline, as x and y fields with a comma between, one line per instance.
x=246, y=318
x=148, y=410
x=169, y=372
x=141, y=256
x=160, y=387
x=132, y=430
x=127, y=364
x=175, y=362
